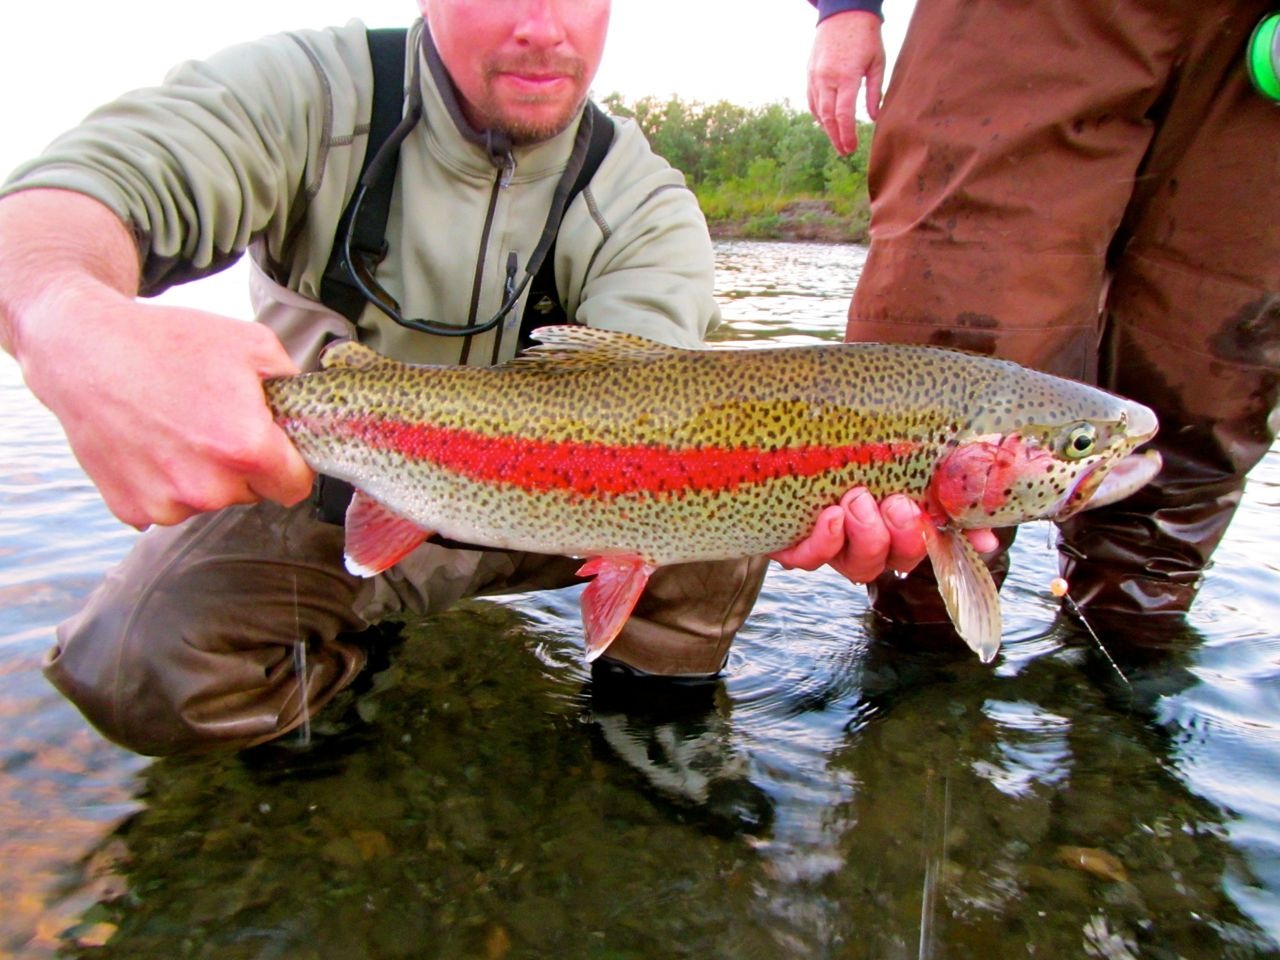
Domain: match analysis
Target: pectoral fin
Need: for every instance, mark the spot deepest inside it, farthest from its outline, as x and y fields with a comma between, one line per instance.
x=378, y=538
x=967, y=589
x=608, y=600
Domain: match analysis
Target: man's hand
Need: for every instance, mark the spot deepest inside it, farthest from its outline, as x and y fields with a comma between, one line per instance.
x=847, y=51
x=861, y=539
x=163, y=407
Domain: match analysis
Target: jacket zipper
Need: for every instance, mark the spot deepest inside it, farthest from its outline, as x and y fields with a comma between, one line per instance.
x=500, y=183
x=508, y=290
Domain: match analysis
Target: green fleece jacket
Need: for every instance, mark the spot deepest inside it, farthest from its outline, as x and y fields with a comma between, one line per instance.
x=259, y=149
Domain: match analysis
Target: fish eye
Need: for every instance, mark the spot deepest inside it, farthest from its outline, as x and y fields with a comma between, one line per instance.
x=1080, y=441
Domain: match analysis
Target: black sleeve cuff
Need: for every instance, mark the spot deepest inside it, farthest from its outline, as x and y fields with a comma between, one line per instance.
x=827, y=7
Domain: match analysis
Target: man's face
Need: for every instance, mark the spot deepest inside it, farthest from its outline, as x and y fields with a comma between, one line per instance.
x=520, y=66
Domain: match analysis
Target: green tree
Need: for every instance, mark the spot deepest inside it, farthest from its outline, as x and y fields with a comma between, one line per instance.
x=750, y=166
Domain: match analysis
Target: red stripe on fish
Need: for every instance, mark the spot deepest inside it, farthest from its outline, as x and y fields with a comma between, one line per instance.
x=597, y=469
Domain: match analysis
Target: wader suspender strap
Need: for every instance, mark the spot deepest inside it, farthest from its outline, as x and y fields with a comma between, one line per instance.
x=330, y=496
x=368, y=236
x=542, y=307
x=368, y=233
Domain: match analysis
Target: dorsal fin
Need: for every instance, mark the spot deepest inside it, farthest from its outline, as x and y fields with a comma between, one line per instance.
x=567, y=344
x=350, y=354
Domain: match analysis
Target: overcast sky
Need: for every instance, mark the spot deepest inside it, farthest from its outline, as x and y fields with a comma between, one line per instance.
x=60, y=58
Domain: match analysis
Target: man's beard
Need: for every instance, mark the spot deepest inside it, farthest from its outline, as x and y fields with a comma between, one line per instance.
x=524, y=130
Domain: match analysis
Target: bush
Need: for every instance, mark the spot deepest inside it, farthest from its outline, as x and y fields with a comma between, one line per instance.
x=747, y=165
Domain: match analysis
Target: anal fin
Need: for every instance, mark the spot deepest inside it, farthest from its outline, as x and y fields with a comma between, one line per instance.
x=377, y=537
x=608, y=599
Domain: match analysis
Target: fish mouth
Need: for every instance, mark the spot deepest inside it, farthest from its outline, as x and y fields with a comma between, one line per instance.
x=1108, y=482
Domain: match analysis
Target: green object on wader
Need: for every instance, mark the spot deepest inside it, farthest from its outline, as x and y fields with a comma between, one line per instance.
x=1263, y=57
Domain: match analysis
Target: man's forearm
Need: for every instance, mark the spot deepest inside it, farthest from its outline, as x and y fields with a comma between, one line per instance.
x=52, y=243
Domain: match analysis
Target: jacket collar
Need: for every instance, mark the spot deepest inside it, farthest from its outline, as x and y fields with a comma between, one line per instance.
x=478, y=151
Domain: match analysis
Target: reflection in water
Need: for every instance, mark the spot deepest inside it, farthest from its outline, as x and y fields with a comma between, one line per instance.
x=844, y=791
x=467, y=800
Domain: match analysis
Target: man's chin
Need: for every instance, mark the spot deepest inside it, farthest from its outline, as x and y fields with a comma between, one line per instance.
x=527, y=124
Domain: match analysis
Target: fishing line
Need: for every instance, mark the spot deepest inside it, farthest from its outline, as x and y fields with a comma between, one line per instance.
x=933, y=866
x=300, y=669
x=1059, y=587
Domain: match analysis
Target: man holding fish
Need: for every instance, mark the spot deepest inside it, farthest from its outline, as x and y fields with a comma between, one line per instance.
x=190, y=642
x=673, y=470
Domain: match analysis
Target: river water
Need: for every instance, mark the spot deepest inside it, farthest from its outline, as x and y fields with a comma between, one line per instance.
x=840, y=794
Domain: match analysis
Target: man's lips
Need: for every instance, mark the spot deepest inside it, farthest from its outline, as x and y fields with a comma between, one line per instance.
x=535, y=80
x=540, y=75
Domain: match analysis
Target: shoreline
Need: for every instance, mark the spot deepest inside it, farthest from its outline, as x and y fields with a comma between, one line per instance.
x=797, y=221
x=737, y=230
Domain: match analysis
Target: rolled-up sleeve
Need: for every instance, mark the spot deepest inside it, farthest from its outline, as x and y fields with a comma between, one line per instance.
x=223, y=151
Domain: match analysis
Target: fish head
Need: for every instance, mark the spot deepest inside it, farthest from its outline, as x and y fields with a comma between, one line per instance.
x=1044, y=448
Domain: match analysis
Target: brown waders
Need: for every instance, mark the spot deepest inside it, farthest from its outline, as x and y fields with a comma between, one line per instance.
x=1091, y=189
x=189, y=643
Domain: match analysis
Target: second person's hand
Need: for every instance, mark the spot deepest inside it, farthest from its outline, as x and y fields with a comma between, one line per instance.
x=847, y=52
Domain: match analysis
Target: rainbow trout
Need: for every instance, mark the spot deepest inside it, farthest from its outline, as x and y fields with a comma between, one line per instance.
x=634, y=454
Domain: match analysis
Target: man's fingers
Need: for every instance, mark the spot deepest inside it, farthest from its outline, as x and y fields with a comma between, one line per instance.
x=905, y=522
x=833, y=106
x=815, y=100
x=271, y=359
x=284, y=476
x=823, y=105
x=171, y=503
x=275, y=471
x=984, y=541
x=139, y=515
x=875, y=90
x=822, y=544
x=861, y=538
x=866, y=538
x=845, y=138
